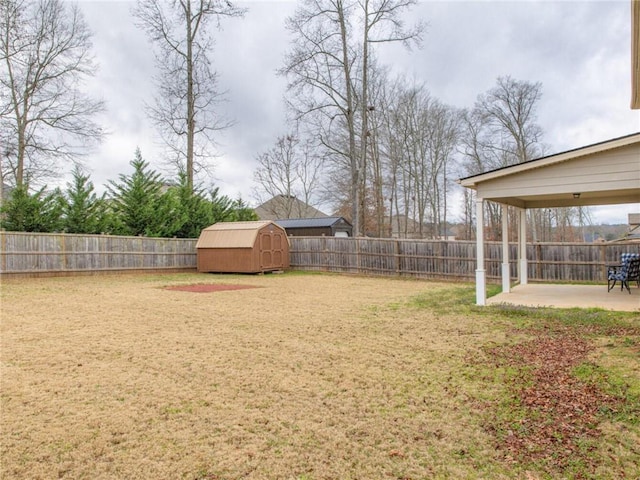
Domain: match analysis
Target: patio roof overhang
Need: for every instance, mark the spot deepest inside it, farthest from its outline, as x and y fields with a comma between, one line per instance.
x=605, y=173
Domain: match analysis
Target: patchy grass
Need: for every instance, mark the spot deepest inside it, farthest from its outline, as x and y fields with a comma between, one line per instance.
x=309, y=377
x=569, y=377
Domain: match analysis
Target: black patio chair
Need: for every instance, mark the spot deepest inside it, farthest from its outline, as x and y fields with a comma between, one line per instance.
x=628, y=270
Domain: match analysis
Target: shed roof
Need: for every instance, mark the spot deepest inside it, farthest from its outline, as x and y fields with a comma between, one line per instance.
x=231, y=234
x=311, y=222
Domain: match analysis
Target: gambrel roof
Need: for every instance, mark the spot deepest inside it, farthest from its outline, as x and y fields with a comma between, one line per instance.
x=231, y=234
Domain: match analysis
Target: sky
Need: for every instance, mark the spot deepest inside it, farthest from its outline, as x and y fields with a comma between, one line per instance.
x=578, y=50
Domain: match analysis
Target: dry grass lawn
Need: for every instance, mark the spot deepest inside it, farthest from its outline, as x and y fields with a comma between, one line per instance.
x=307, y=377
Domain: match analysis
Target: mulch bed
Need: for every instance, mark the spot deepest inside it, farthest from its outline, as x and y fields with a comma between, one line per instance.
x=206, y=288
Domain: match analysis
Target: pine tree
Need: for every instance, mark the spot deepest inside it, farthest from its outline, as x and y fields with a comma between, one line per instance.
x=221, y=206
x=82, y=210
x=194, y=209
x=242, y=212
x=137, y=201
x=39, y=212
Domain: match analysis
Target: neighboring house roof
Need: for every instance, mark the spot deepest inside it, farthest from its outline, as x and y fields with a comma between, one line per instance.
x=231, y=234
x=311, y=222
x=286, y=206
x=634, y=229
x=604, y=173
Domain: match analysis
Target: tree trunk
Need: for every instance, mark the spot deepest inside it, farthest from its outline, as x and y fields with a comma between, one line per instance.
x=353, y=161
x=190, y=99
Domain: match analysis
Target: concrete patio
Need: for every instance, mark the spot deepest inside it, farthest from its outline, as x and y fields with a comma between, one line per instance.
x=568, y=296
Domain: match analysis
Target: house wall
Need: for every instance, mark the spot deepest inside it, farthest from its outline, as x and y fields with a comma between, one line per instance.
x=310, y=232
x=610, y=173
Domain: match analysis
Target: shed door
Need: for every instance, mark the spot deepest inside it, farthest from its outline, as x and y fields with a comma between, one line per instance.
x=271, y=249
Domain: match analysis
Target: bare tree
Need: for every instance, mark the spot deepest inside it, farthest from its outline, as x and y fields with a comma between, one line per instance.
x=382, y=23
x=442, y=139
x=185, y=106
x=328, y=68
x=320, y=68
x=290, y=170
x=509, y=109
x=418, y=139
x=45, y=52
x=501, y=130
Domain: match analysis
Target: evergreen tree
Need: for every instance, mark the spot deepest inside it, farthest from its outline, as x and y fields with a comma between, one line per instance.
x=242, y=212
x=82, y=210
x=221, y=207
x=168, y=217
x=24, y=212
x=227, y=210
x=138, y=204
x=194, y=210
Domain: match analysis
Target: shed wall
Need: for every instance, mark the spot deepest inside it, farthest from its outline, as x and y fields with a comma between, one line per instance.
x=228, y=260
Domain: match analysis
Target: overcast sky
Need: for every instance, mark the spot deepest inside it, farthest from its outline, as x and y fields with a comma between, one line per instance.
x=579, y=51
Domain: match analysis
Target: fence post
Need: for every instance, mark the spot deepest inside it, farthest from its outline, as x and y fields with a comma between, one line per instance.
x=63, y=249
x=3, y=252
x=325, y=254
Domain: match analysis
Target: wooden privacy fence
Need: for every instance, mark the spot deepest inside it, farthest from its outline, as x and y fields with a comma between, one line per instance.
x=38, y=253
x=454, y=259
x=51, y=253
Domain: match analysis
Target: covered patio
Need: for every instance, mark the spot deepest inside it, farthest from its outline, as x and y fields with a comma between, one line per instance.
x=570, y=296
x=606, y=173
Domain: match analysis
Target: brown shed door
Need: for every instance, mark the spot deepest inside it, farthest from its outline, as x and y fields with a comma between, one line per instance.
x=277, y=249
x=271, y=250
x=265, y=250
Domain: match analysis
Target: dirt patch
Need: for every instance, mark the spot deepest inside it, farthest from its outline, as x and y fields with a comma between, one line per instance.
x=206, y=288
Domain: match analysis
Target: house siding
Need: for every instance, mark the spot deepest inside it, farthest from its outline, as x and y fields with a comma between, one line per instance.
x=617, y=171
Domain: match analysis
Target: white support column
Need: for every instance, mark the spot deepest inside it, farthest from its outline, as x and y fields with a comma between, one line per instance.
x=481, y=288
x=506, y=273
x=522, y=250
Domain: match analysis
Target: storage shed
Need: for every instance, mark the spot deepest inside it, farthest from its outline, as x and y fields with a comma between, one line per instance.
x=243, y=247
x=316, y=227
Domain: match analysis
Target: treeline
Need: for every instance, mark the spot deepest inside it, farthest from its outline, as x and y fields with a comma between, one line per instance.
x=416, y=148
x=140, y=203
x=381, y=148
